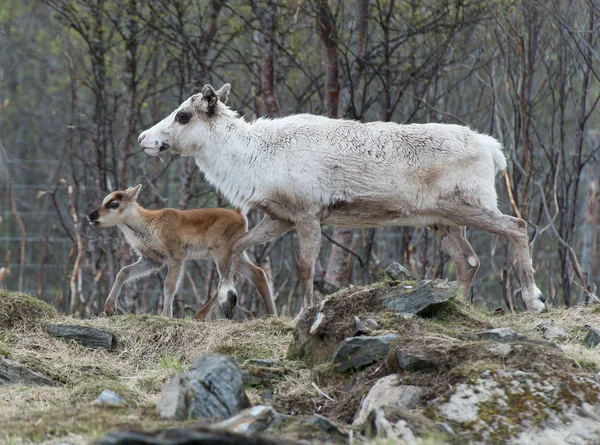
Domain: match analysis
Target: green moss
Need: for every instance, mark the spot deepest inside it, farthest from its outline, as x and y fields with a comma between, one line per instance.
x=18, y=308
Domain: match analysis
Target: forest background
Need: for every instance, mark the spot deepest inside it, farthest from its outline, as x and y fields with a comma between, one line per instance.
x=79, y=80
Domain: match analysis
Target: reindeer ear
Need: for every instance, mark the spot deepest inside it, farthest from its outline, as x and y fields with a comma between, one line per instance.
x=210, y=96
x=133, y=192
x=223, y=93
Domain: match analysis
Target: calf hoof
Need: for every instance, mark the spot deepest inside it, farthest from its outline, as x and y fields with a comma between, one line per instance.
x=229, y=305
x=109, y=310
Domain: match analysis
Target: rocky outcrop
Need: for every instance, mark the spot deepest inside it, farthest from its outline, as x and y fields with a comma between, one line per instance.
x=212, y=389
x=522, y=408
x=323, y=327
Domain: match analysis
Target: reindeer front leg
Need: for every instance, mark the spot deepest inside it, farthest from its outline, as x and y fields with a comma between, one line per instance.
x=140, y=268
x=266, y=230
x=174, y=277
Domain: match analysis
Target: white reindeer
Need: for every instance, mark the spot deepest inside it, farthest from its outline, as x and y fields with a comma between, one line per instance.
x=304, y=170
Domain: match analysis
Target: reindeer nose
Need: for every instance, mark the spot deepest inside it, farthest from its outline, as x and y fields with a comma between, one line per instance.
x=141, y=138
x=93, y=216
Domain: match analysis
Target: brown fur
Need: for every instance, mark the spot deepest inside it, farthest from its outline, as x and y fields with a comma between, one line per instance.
x=171, y=236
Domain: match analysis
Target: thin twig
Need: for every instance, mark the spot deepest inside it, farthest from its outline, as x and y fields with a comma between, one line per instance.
x=321, y=392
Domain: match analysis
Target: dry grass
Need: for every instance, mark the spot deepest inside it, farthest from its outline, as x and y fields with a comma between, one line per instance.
x=17, y=308
x=150, y=349
x=571, y=320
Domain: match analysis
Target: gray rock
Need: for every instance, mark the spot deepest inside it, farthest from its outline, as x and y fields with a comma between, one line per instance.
x=12, y=372
x=358, y=352
x=397, y=272
x=361, y=327
x=252, y=420
x=187, y=436
x=326, y=425
x=524, y=408
x=592, y=339
x=84, y=335
x=108, y=397
x=213, y=389
x=425, y=300
x=550, y=331
x=391, y=422
x=503, y=335
x=388, y=391
x=414, y=362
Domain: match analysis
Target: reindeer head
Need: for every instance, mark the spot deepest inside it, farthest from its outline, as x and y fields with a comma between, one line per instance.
x=186, y=127
x=115, y=208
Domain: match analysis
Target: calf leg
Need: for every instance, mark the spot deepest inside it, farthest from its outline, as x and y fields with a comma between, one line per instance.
x=207, y=309
x=140, y=268
x=174, y=277
x=266, y=230
x=258, y=277
x=309, y=238
x=509, y=227
x=454, y=242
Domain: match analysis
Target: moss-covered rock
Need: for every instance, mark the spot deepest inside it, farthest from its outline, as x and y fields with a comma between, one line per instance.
x=513, y=406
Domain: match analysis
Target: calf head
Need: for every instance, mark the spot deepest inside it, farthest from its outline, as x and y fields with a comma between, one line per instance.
x=115, y=208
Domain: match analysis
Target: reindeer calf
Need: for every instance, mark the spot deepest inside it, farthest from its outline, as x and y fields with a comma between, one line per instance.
x=170, y=237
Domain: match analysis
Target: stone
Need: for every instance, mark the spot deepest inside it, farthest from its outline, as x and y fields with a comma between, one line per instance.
x=326, y=425
x=425, y=300
x=388, y=391
x=592, y=339
x=12, y=372
x=301, y=339
x=500, y=349
x=358, y=352
x=187, y=436
x=264, y=363
x=391, y=422
x=84, y=335
x=361, y=328
x=212, y=389
x=110, y=398
x=397, y=272
x=252, y=420
x=414, y=362
x=525, y=408
x=550, y=331
x=503, y=335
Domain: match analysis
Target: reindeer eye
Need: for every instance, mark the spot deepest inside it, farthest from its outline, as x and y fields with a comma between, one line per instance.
x=113, y=205
x=183, y=117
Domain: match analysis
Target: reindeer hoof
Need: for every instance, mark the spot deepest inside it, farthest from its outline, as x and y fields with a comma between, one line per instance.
x=229, y=305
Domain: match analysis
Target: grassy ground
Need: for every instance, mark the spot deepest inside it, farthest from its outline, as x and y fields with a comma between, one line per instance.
x=151, y=349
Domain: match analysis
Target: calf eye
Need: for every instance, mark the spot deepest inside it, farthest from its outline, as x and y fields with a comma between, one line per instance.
x=183, y=117
x=113, y=205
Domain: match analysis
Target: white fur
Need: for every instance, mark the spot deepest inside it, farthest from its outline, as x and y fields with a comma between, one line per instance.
x=314, y=163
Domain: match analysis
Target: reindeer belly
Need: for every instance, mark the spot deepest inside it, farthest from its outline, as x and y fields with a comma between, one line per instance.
x=373, y=214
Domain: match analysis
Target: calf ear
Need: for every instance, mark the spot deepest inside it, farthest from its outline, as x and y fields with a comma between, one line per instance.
x=223, y=93
x=133, y=192
x=210, y=96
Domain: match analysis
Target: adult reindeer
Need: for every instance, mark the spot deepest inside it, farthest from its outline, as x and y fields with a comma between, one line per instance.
x=304, y=170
